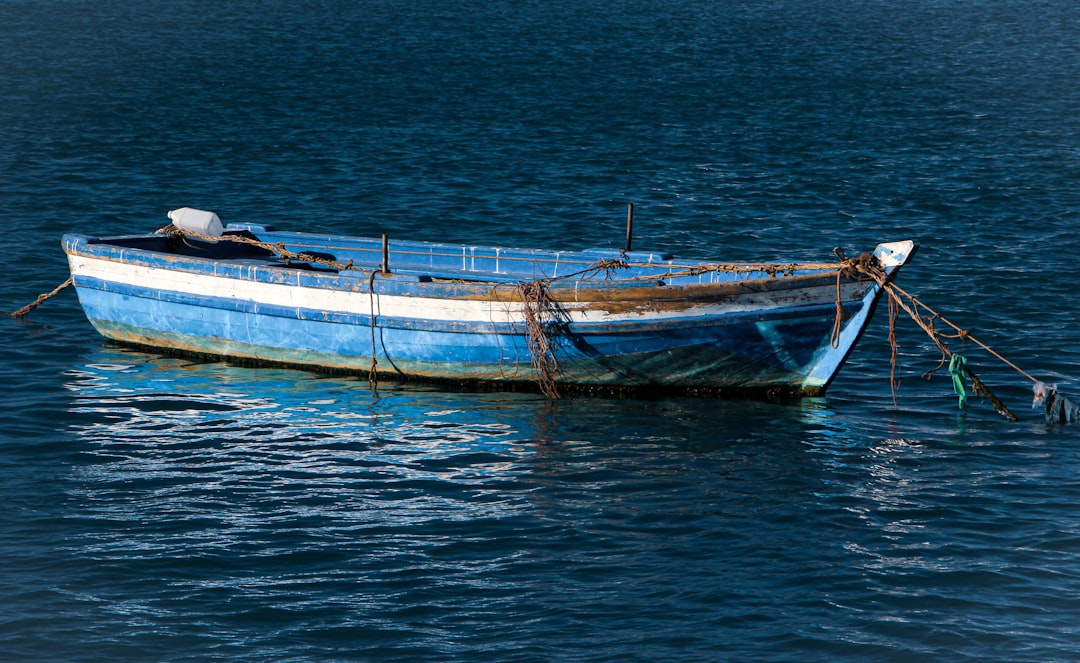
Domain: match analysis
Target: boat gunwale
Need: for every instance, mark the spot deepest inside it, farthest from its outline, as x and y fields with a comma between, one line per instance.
x=453, y=284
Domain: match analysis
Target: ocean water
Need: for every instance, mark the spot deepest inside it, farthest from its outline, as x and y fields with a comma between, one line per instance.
x=166, y=509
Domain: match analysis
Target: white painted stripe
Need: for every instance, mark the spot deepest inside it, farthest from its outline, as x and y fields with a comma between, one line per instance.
x=425, y=308
x=291, y=296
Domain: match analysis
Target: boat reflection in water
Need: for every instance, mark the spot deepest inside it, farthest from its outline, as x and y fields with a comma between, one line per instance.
x=216, y=441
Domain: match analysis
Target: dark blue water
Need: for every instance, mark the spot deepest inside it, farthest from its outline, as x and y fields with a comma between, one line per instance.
x=164, y=509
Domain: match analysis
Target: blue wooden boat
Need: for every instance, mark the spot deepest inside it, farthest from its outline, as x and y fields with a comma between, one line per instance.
x=563, y=321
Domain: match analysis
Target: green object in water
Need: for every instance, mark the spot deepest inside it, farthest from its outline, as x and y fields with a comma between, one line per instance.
x=958, y=370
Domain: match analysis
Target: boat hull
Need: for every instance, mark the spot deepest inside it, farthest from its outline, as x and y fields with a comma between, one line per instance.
x=773, y=336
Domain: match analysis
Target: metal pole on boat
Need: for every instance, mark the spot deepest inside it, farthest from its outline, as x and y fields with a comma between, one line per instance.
x=629, y=224
x=385, y=255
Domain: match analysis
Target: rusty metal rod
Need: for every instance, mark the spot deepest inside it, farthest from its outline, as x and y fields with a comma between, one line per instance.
x=629, y=224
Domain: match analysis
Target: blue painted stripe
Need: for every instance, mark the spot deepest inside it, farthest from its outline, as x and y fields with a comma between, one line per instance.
x=708, y=366
x=247, y=324
x=687, y=368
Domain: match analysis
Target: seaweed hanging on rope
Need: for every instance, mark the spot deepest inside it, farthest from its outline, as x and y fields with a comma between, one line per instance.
x=545, y=322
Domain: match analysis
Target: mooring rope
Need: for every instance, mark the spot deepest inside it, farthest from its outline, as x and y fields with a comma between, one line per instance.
x=963, y=334
x=373, y=372
x=41, y=299
x=912, y=305
x=838, y=318
x=894, y=349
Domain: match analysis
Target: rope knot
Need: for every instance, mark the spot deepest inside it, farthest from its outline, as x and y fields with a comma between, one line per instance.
x=864, y=263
